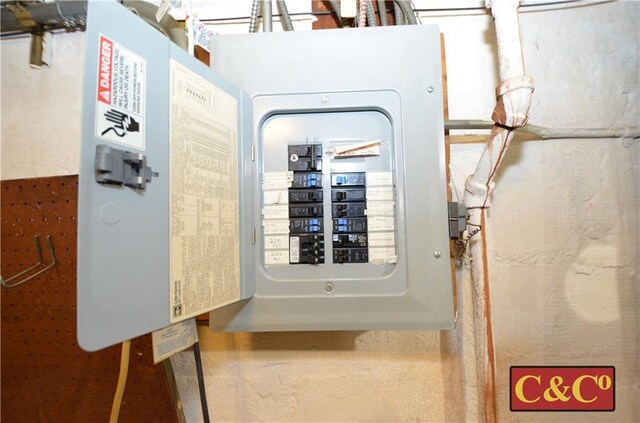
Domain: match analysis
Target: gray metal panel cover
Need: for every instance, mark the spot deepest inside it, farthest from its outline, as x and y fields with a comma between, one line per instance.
x=392, y=69
x=123, y=234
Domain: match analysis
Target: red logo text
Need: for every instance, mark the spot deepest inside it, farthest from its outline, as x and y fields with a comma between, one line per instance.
x=562, y=388
x=105, y=65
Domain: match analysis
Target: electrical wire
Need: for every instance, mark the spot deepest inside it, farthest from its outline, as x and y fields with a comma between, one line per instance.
x=201, y=386
x=253, y=19
x=285, y=19
x=122, y=381
x=534, y=7
x=371, y=13
x=382, y=11
x=398, y=15
x=409, y=12
x=267, y=16
x=362, y=14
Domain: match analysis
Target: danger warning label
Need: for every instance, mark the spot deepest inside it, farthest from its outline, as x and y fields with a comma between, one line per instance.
x=120, y=108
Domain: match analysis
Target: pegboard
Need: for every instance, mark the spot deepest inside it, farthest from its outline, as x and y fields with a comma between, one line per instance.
x=46, y=377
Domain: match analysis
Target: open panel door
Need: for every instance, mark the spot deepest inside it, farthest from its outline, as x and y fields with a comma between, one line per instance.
x=165, y=154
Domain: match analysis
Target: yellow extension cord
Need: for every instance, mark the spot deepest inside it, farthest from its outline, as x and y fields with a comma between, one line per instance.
x=122, y=381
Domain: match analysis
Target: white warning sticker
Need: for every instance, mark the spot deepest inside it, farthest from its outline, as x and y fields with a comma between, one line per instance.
x=272, y=257
x=294, y=249
x=120, y=101
x=173, y=339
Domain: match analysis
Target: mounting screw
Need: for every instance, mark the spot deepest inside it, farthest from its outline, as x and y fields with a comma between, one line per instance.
x=627, y=142
x=328, y=287
x=437, y=254
x=324, y=99
x=430, y=89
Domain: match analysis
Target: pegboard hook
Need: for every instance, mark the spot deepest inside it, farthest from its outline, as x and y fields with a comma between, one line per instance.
x=36, y=240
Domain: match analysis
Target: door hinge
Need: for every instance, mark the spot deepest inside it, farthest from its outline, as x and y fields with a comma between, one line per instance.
x=120, y=167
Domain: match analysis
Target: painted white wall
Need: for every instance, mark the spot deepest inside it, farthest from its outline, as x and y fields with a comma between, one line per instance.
x=563, y=237
x=41, y=109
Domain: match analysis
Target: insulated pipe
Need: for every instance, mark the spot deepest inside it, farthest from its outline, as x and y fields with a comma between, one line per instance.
x=407, y=10
x=382, y=11
x=167, y=25
x=546, y=133
x=285, y=19
x=253, y=21
x=267, y=16
x=511, y=112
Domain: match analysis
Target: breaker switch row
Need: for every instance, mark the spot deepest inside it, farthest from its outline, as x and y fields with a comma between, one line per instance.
x=348, y=210
x=307, y=157
x=348, y=179
x=348, y=194
x=350, y=255
x=306, y=180
x=306, y=249
x=306, y=210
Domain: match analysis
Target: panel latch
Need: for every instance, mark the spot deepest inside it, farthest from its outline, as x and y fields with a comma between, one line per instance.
x=457, y=219
x=120, y=167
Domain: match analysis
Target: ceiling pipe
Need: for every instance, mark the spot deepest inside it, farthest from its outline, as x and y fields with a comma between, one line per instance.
x=548, y=133
x=267, y=16
x=38, y=17
x=511, y=112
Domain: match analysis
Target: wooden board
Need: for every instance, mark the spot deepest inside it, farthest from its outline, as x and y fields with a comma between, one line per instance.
x=46, y=377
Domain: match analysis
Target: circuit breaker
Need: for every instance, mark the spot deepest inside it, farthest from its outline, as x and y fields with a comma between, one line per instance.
x=338, y=204
x=297, y=184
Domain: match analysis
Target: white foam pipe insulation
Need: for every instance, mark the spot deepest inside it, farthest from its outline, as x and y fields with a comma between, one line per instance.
x=511, y=111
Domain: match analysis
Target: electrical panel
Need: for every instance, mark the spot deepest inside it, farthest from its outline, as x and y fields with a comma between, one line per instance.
x=303, y=193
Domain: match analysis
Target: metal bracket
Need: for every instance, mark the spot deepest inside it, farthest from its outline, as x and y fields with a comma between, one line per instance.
x=22, y=15
x=120, y=167
x=457, y=219
x=38, y=250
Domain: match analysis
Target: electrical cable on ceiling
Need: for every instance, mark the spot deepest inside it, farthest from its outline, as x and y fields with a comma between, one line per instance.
x=533, y=7
x=285, y=19
x=408, y=11
x=382, y=11
x=398, y=15
x=371, y=14
x=201, y=386
x=122, y=381
x=362, y=14
x=253, y=19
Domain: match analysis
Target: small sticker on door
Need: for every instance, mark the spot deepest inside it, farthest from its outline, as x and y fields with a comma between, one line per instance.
x=120, y=101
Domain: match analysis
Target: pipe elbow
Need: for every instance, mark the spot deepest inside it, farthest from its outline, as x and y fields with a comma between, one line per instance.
x=476, y=194
x=513, y=102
